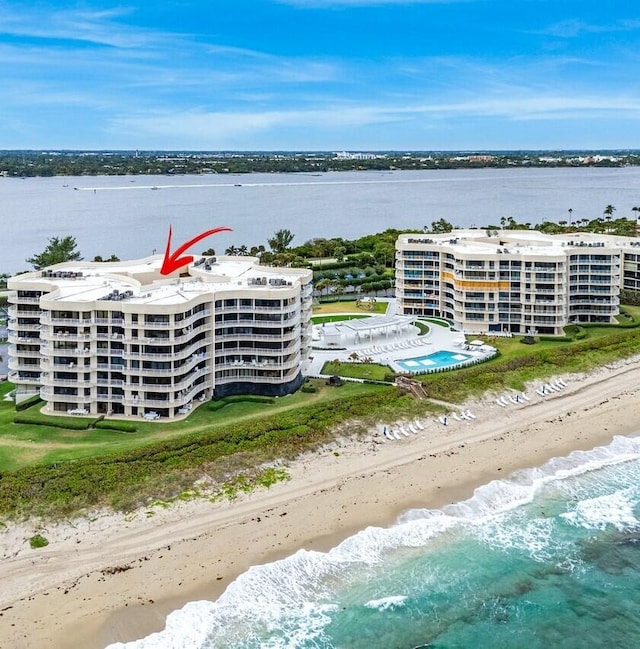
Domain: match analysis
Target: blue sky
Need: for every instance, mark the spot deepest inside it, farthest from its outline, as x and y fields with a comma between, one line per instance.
x=320, y=74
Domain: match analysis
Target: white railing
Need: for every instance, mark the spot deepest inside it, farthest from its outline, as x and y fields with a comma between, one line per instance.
x=14, y=377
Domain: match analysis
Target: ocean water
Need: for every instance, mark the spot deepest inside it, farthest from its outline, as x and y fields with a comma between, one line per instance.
x=122, y=215
x=548, y=558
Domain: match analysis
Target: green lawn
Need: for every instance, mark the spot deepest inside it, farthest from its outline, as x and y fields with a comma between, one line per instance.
x=26, y=444
x=349, y=306
x=371, y=371
x=321, y=319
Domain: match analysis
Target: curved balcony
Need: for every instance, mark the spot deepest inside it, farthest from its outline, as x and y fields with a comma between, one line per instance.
x=16, y=299
x=48, y=351
x=24, y=353
x=15, y=377
x=15, y=337
x=260, y=364
x=176, y=340
x=66, y=335
x=48, y=380
x=256, y=351
x=171, y=387
x=48, y=319
x=48, y=395
x=26, y=326
x=256, y=377
x=18, y=363
x=141, y=402
x=291, y=335
x=15, y=311
x=196, y=347
x=238, y=322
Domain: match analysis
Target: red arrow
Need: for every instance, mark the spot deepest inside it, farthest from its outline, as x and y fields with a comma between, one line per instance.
x=173, y=261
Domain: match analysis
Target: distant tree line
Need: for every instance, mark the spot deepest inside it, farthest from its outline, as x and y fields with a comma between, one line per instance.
x=104, y=163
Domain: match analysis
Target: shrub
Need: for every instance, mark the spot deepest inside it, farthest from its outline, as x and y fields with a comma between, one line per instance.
x=38, y=541
x=54, y=422
x=28, y=403
x=122, y=426
x=308, y=387
x=248, y=398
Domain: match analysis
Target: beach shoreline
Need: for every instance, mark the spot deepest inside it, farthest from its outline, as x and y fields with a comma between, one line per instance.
x=113, y=578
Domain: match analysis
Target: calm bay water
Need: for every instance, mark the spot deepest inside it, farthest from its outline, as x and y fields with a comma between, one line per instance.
x=124, y=215
x=549, y=558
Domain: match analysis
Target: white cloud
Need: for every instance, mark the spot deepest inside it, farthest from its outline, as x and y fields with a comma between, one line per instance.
x=573, y=28
x=217, y=129
x=97, y=27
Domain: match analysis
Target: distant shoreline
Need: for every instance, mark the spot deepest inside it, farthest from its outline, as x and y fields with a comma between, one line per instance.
x=64, y=163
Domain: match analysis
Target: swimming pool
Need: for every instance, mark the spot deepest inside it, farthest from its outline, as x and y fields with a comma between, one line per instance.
x=443, y=358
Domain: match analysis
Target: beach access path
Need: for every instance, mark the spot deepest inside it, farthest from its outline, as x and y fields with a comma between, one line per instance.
x=110, y=577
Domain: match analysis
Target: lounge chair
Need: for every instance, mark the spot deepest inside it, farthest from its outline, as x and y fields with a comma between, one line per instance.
x=443, y=420
x=499, y=402
x=469, y=414
x=418, y=423
x=524, y=396
x=456, y=416
x=561, y=383
x=396, y=434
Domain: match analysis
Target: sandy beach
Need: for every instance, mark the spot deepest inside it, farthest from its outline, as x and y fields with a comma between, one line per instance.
x=110, y=577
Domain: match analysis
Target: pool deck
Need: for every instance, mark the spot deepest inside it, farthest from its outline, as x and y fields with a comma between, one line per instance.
x=387, y=349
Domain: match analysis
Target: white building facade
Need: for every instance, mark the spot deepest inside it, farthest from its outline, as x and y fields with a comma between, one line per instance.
x=514, y=281
x=121, y=339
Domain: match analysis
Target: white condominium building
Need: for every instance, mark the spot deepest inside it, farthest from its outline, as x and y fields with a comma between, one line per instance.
x=121, y=339
x=515, y=281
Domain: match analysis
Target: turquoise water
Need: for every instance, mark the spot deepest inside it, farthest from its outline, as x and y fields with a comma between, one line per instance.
x=549, y=558
x=442, y=358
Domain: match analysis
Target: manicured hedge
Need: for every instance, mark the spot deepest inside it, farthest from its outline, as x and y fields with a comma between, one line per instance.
x=122, y=426
x=55, y=422
x=28, y=403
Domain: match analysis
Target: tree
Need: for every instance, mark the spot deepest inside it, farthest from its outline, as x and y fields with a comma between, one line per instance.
x=280, y=241
x=608, y=212
x=57, y=251
x=209, y=252
x=99, y=258
x=440, y=226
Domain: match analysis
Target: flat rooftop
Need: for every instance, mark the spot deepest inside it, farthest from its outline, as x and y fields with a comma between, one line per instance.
x=140, y=282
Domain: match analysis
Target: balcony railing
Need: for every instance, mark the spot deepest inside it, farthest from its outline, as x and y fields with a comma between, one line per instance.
x=256, y=377
x=16, y=377
x=23, y=353
x=141, y=402
x=196, y=347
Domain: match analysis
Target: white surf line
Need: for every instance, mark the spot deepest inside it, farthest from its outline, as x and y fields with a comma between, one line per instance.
x=304, y=183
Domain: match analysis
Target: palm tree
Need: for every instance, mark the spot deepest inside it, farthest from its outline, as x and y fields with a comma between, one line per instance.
x=636, y=209
x=243, y=250
x=608, y=212
x=570, y=210
x=280, y=241
x=231, y=250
